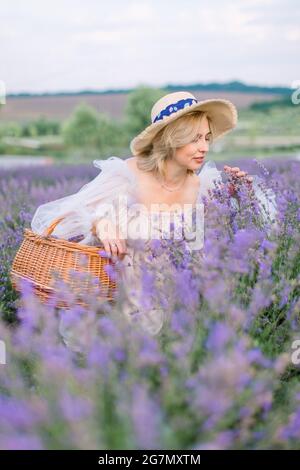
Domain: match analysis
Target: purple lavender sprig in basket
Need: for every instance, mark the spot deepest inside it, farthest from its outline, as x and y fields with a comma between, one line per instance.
x=76, y=238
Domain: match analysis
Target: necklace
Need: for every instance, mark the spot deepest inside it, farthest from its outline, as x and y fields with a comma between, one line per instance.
x=173, y=189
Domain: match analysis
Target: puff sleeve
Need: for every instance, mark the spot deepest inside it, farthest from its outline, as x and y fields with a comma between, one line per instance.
x=266, y=199
x=80, y=211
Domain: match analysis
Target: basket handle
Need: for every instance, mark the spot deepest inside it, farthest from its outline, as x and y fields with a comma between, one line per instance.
x=52, y=226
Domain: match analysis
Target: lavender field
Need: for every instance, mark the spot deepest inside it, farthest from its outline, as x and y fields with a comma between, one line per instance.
x=223, y=373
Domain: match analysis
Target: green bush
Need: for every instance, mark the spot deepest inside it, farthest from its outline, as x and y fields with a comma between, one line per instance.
x=138, y=108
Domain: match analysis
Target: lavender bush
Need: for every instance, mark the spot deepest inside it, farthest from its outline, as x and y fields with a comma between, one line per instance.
x=218, y=376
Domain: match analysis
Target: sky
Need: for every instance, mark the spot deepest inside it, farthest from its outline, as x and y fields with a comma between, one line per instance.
x=70, y=45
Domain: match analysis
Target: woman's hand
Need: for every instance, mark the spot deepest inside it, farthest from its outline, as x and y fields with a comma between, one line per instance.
x=236, y=176
x=109, y=234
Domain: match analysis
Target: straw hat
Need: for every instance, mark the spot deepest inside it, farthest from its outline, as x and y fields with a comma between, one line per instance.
x=222, y=112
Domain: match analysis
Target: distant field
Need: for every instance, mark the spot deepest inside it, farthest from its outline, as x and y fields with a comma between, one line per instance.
x=60, y=107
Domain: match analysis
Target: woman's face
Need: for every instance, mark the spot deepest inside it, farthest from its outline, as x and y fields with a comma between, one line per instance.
x=192, y=155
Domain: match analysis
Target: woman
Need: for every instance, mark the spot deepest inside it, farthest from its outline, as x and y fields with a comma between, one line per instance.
x=136, y=199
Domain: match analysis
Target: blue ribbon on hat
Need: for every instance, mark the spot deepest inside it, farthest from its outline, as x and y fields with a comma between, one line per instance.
x=174, y=107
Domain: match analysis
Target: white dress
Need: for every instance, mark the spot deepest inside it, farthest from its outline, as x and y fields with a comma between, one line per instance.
x=116, y=182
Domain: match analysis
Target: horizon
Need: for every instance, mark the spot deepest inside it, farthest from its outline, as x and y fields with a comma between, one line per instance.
x=126, y=90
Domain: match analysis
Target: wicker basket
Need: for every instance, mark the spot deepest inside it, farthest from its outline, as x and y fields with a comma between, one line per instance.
x=40, y=255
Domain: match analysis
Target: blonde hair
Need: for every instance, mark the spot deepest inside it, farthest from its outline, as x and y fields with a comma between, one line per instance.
x=175, y=135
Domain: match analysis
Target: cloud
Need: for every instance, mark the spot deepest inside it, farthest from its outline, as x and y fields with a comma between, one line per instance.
x=70, y=44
